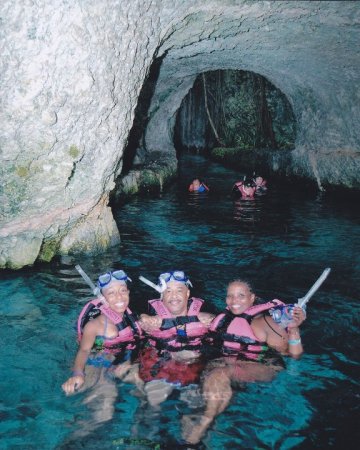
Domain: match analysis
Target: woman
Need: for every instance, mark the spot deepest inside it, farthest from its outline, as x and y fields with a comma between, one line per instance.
x=251, y=343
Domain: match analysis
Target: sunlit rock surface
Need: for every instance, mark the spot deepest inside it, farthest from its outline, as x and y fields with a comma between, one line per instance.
x=71, y=73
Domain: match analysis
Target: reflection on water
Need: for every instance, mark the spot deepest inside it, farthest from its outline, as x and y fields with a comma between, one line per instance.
x=248, y=210
x=281, y=241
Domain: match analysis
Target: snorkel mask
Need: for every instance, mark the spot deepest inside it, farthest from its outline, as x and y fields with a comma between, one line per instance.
x=164, y=278
x=108, y=277
x=103, y=280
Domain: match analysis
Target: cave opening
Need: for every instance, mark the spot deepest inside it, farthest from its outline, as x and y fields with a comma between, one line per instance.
x=234, y=109
x=226, y=111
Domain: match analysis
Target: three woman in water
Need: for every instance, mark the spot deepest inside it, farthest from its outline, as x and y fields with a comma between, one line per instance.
x=174, y=341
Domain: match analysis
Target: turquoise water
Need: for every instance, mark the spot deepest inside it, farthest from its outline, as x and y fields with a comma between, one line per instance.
x=281, y=242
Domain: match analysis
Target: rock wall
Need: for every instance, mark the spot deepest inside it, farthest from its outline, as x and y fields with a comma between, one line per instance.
x=71, y=73
x=70, y=76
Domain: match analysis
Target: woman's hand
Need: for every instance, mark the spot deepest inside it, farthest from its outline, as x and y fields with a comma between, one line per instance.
x=72, y=384
x=298, y=317
x=150, y=323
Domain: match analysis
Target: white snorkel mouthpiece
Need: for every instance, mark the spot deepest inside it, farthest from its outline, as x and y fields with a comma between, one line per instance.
x=159, y=289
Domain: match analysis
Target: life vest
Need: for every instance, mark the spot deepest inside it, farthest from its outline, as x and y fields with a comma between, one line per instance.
x=240, y=187
x=129, y=330
x=202, y=188
x=178, y=333
x=261, y=188
x=244, y=193
x=236, y=334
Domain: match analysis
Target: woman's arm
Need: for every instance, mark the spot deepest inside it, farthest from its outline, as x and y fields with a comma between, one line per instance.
x=284, y=341
x=150, y=323
x=87, y=341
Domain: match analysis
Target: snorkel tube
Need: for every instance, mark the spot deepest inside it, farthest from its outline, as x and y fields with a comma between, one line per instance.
x=94, y=289
x=283, y=314
x=303, y=300
x=159, y=289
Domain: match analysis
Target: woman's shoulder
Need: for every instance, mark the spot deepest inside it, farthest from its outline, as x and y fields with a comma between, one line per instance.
x=95, y=326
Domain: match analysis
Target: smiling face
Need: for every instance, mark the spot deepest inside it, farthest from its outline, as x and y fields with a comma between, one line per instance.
x=175, y=298
x=116, y=293
x=239, y=297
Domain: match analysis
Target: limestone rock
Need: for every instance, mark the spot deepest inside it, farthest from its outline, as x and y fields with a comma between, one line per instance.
x=93, y=234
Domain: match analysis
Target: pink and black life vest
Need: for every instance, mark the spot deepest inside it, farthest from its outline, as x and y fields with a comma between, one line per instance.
x=178, y=333
x=235, y=333
x=129, y=331
x=261, y=187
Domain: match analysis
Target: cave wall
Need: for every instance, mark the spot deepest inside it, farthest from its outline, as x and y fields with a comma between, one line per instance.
x=70, y=77
x=71, y=73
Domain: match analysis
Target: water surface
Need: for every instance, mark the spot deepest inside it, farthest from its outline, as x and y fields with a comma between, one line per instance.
x=281, y=242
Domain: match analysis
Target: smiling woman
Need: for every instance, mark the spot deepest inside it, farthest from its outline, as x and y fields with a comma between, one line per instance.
x=108, y=333
x=245, y=335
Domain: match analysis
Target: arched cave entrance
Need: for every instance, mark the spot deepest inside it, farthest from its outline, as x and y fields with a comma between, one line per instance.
x=224, y=110
x=234, y=109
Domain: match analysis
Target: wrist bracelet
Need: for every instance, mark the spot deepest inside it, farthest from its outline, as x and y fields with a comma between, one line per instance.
x=294, y=341
x=78, y=373
x=294, y=334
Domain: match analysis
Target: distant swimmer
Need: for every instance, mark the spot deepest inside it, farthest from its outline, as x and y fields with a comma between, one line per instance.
x=260, y=184
x=198, y=186
x=246, y=188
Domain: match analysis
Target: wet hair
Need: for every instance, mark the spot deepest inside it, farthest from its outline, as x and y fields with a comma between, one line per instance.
x=249, y=286
x=239, y=280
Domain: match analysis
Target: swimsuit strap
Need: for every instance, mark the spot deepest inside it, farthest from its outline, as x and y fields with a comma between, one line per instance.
x=105, y=326
x=272, y=328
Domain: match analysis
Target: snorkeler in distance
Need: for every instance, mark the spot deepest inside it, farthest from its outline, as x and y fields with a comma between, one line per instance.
x=247, y=336
x=198, y=186
x=108, y=333
x=175, y=332
x=260, y=184
x=246, y=188
x=250, y=186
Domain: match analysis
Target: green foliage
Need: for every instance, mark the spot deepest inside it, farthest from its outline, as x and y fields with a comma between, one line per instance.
x=48, y=250
x=248, y=111
x=74, y=152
